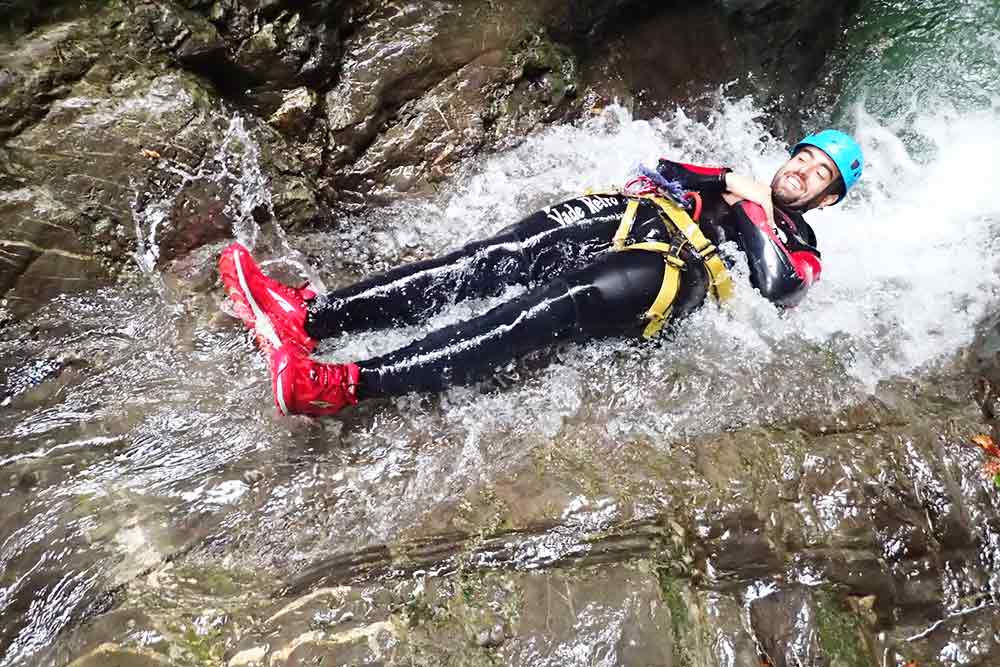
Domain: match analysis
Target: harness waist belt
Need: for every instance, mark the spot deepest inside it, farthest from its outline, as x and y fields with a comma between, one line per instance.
x=720, y=284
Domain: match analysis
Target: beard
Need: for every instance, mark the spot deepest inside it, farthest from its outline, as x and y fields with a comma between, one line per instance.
x=797, y=201
x=783, y=197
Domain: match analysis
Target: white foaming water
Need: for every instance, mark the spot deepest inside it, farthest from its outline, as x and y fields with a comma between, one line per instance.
x=907, y=259
x=235, y=165
x=907, y=274
x=234, y=169
x=908, y=264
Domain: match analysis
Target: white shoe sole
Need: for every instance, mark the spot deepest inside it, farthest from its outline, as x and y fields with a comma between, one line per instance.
x=262, y=323
x=279, y=389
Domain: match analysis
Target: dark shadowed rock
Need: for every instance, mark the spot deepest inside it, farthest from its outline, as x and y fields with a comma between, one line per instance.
x=785, y=623
x=188, y=36
x=771, y=49
x=254, y=51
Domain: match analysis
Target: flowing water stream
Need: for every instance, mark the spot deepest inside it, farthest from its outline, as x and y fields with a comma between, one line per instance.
x=137, y=420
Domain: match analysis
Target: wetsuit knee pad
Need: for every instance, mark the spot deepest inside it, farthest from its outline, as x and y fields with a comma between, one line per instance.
x=613, y=294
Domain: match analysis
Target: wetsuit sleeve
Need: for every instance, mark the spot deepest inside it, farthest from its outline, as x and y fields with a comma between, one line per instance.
x=781, y=269
x=708, y=180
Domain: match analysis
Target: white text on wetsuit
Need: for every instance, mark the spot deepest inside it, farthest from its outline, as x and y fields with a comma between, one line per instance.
x=571, y=212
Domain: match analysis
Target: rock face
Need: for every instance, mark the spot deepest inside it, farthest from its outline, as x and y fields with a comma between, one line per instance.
x=675, y=54
x=863, y=538
x=95, y=130
x=830, y=542
x=350, y=102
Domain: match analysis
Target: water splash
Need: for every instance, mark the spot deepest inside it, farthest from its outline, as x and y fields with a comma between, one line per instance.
x=900, y=288
x=234, y=169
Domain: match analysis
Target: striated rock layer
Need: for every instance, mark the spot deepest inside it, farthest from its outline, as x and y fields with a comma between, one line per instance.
x=824, y=542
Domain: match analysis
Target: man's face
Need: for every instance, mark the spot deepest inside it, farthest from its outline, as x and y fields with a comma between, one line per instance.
x=801, y=182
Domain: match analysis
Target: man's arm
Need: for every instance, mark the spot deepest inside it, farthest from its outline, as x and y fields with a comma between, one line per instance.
x=707, y=180
x=720, y=181
x=781, y=269
x=743, y=188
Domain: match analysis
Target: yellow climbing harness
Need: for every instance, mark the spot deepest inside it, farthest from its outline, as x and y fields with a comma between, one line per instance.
x=720, y=284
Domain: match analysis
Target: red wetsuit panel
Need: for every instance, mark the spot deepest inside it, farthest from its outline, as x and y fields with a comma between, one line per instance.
x=783, y=264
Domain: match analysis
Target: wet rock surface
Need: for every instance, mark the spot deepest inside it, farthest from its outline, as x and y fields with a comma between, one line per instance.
x=97, y=126
x=825, y=542
x=197, y=529
x=354, y=103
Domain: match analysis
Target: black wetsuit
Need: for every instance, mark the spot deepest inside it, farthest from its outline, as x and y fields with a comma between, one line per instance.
x=578, y=287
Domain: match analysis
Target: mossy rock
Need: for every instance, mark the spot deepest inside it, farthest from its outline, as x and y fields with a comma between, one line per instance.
x=538, y=56
x=841, y=633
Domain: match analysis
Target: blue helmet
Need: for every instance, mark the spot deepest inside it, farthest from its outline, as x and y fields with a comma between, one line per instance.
x=842, y=149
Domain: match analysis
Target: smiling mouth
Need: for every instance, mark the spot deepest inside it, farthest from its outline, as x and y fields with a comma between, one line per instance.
x=794, y=183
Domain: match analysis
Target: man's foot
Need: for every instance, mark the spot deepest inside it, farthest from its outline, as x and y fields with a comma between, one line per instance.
x=276, y=312
x=307, y=387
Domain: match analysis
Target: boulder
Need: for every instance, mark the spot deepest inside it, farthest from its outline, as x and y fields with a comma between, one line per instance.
x=772, y=50
x=41, y=70
x=188, y=36
x=786, y=623
x=296, y=114
x=108, y=156
x=43, y=256
x=252, y=51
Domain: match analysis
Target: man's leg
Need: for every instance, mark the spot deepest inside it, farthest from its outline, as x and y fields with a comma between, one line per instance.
x=540, y=245
x=608, y=297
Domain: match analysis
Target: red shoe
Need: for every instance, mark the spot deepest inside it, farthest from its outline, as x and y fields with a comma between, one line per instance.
x=276, y=312
x=307, y=387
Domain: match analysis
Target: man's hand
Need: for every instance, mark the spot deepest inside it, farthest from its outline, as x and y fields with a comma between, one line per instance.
x=740, y=187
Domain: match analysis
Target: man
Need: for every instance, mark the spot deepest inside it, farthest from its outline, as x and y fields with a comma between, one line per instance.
x=598, y=265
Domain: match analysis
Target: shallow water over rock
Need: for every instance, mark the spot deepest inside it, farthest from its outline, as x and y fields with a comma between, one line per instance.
x=150, y=479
